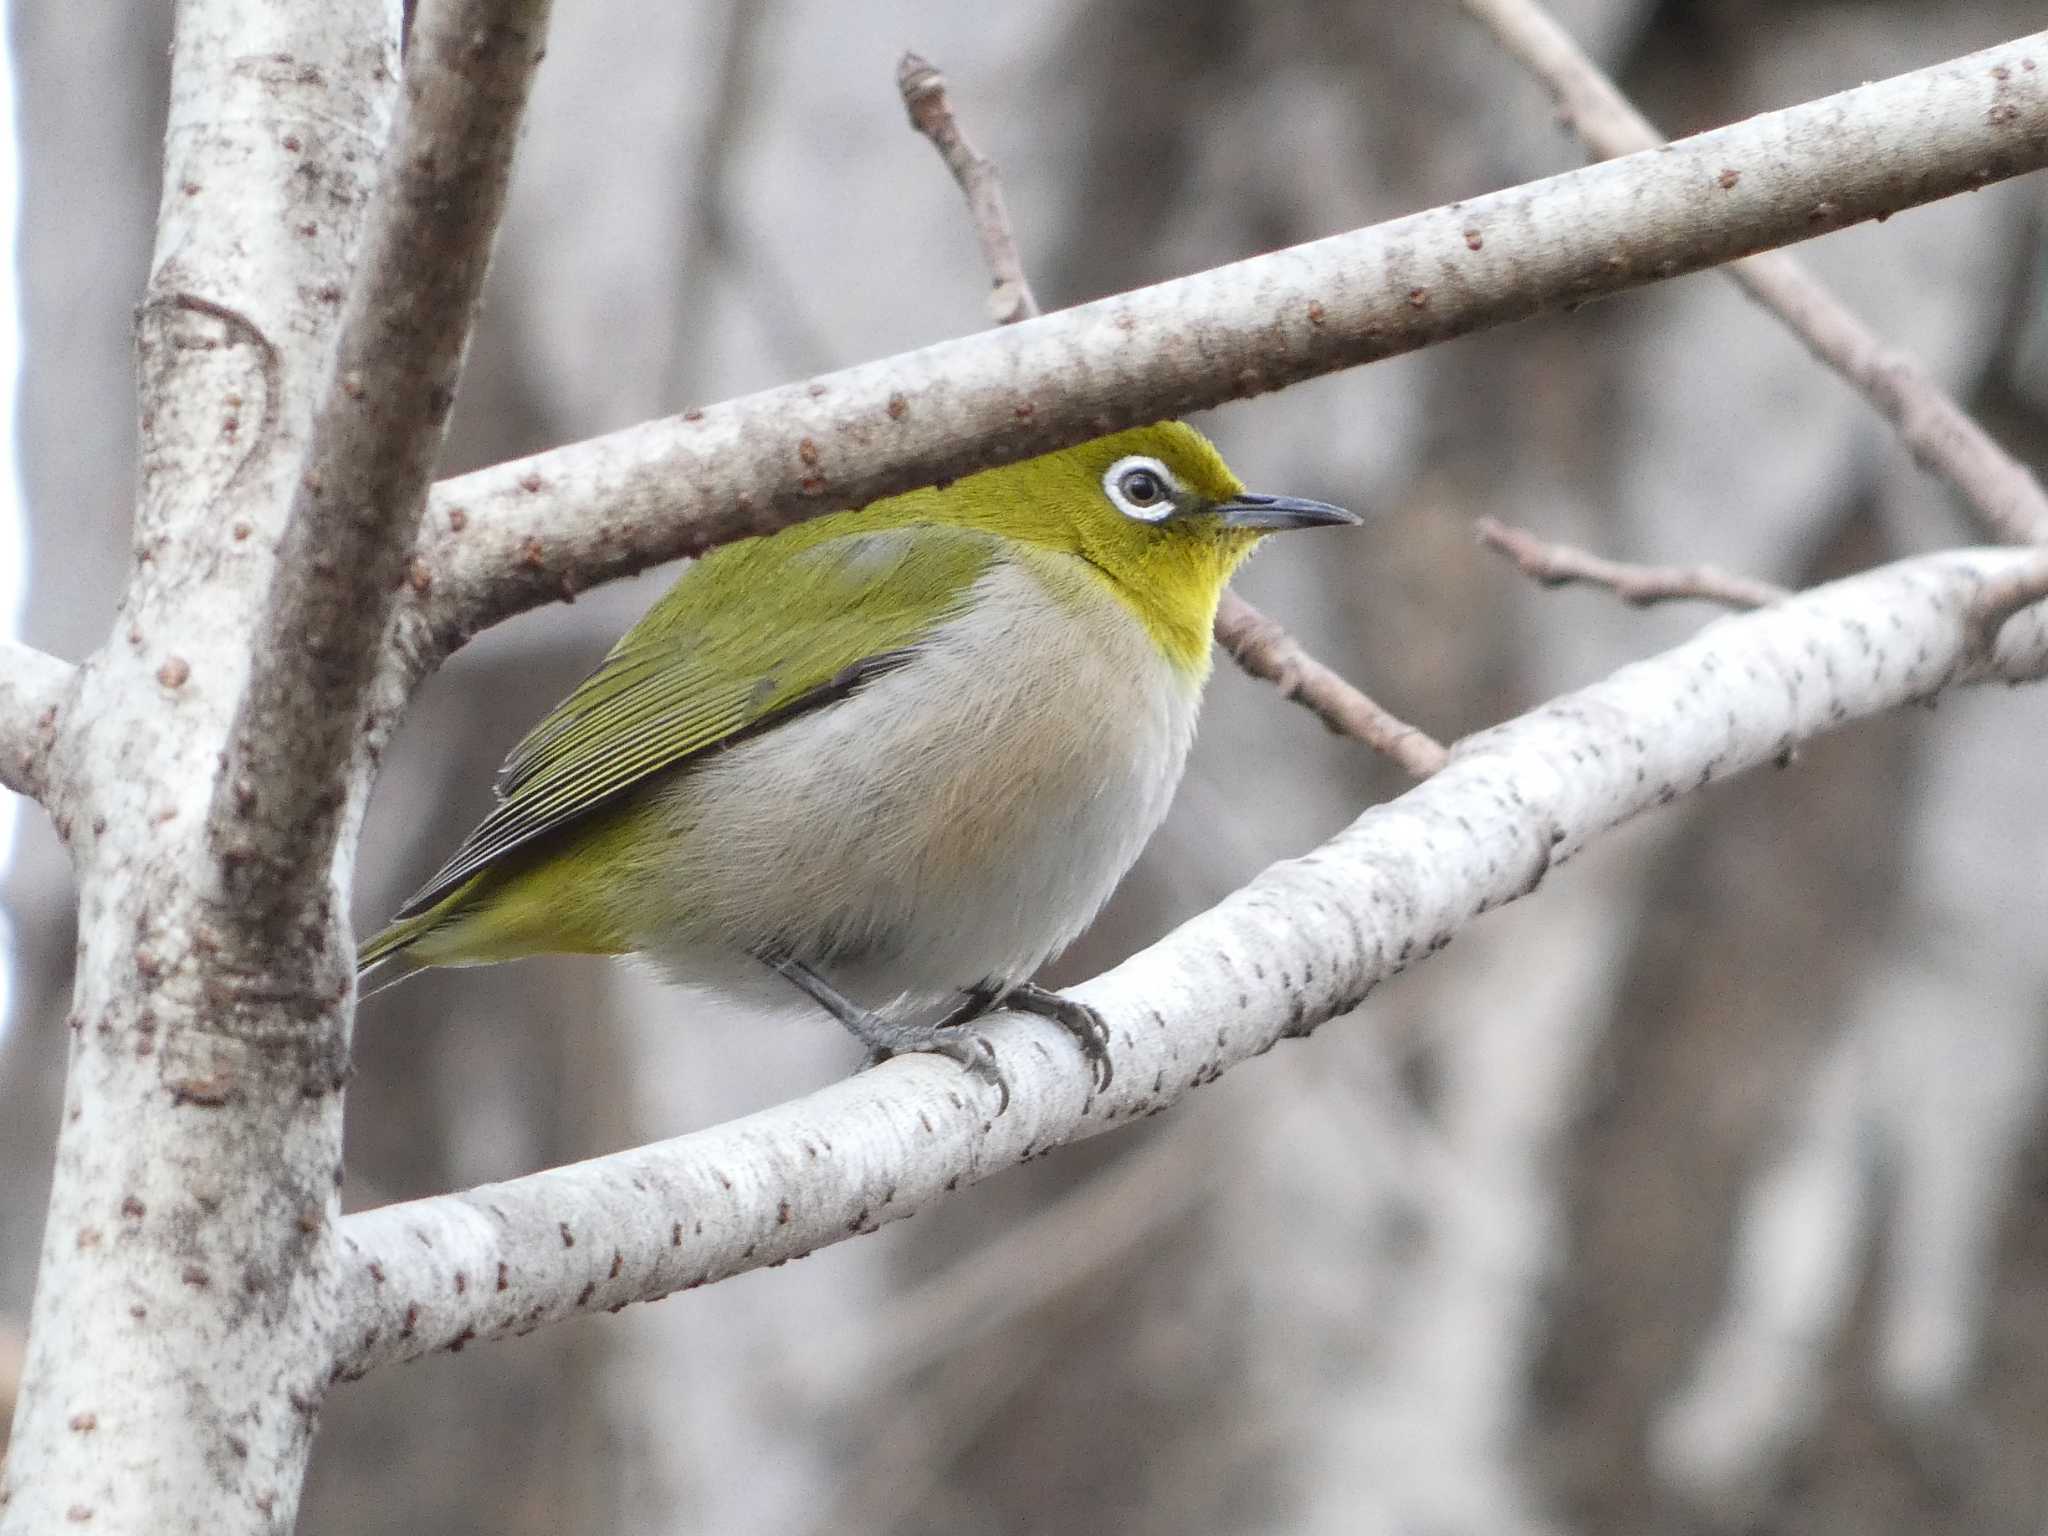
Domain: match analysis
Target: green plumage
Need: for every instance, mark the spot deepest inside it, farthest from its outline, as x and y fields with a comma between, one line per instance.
x=908, y=749
x=709, y=663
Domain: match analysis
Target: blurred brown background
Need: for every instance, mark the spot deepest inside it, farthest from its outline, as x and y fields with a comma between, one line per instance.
x=1702, y=1192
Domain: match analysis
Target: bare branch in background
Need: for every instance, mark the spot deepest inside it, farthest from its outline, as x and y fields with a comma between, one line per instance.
x=713, y=231
x=364, y=481
x=1303, y=943
x=509, y=538
x=1048, y=1254
x=1943, y=438
x=926, y=1369
x=1266, y=650
x=1557, y=565
x=1258, y=644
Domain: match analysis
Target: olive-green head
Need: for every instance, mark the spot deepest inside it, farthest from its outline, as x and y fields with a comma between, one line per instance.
x=1154, y=510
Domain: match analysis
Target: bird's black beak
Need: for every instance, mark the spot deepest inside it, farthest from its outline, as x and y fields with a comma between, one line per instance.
x=1268, y=512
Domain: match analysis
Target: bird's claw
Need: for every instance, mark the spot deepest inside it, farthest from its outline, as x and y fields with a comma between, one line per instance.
x=972, y=1051
x=1076, y=1018
x=952, y=1038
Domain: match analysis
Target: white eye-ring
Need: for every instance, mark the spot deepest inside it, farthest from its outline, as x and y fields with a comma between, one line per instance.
x=1141, y=487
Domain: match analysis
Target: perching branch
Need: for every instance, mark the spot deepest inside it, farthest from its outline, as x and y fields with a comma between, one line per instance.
x=509, y=538
x=1258, y=644
x=363, y=484
x=1303, y=943
x=1557, y=565
x=1944, y=439
x=32, y=686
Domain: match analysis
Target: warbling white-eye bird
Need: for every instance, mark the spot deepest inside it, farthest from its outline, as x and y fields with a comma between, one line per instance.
x=892, y=759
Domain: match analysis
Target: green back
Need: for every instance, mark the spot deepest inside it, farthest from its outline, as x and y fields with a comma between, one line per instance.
x=753, y=634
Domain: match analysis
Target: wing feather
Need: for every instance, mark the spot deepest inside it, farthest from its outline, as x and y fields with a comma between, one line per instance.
x=705, y=667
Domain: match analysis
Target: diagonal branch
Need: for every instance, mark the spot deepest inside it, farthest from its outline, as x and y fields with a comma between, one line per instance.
x=1265, y=649
x=1303, y=943
x=1258, y=644
x=1943, y=438
x=1557, y=565
x=32, y=689
x=364, y=481
x=510, y=538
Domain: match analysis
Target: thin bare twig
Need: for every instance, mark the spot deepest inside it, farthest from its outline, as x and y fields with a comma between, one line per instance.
x=931, y=114
x=1557, y=565
x=1267, y=651
x=1944, y=440
x=1260, y=645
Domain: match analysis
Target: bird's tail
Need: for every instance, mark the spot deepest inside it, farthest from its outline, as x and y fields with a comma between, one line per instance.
x=386, y=958
x=384, y=973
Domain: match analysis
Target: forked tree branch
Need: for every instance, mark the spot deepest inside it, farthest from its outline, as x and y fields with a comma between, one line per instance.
x=170, y=1371
x=1260, y=645
x=509, y=538
x=363, y=483
x=1303, y=943
x=1944, y=439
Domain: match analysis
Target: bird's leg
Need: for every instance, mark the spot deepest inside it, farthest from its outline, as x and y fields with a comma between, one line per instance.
x=977, y=1000
x=888, y=1037
x=1077, y=1019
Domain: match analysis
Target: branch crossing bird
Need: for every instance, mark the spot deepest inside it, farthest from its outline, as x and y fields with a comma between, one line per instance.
x=890, y=761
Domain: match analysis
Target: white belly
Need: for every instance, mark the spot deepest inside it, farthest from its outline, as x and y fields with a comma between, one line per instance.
x=959, y=819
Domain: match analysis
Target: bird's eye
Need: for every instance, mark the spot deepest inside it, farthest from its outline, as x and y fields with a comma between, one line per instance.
x=1140, y=488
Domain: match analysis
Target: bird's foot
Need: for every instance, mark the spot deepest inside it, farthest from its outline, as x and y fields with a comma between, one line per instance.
x=1077, y=1019
x=946, y=1037
x=885, y=1038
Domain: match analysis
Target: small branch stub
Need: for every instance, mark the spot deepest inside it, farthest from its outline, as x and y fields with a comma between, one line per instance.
x=1998, y=600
